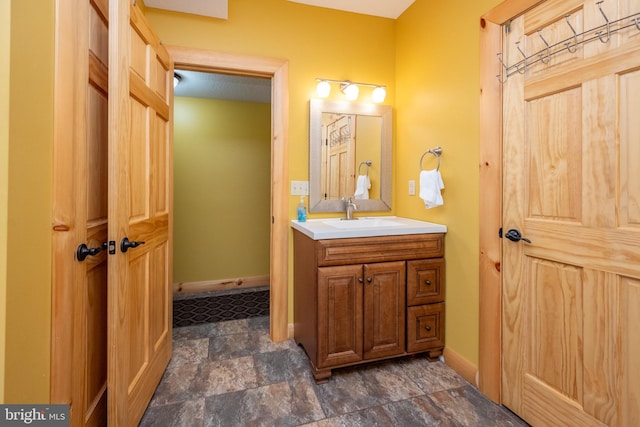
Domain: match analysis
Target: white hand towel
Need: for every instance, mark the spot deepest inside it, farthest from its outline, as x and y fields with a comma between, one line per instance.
x=363, y=184
x=430, y=186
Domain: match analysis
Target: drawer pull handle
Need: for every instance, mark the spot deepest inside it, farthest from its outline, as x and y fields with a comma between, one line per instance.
x=368, y=279
x=428, y=328
x=428, y=282
x=360, y=280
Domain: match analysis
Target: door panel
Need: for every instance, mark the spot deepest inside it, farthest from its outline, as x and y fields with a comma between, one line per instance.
x=140, y=197
x=571, y=143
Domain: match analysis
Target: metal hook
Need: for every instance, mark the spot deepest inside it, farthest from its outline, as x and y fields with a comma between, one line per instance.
x=637, y=23
x=499, y=76
x=575, y=36
x=524, y=69
x=501, y=61
x=608, y=24
x=548, y=59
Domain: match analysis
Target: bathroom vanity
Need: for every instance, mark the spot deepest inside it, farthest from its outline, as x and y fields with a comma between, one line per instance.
x=368, y=290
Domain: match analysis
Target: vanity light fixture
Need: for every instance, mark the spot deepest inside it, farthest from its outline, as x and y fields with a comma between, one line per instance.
x=323, y=88
x=177, y=78
x=379, y=93
x=350, y=89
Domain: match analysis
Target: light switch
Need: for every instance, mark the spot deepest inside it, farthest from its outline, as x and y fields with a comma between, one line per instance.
x=412, y=187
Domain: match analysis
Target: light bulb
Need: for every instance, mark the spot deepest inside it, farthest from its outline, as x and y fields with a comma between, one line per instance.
x=323, y=89
x=351, y=91
x=176, y=79
x=379, y=94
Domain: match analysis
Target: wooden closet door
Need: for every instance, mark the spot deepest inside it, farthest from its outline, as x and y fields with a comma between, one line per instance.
x=140, y=210
x=79, y=336
x=572, y=187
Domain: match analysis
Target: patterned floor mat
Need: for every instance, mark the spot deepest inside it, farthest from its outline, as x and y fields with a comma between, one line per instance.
x=218, y=308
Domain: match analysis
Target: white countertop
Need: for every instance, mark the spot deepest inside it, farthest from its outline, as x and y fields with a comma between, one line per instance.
x=335, y=228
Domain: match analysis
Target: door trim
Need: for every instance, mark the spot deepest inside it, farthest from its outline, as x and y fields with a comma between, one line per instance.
x=278, y=70
x=490, y=209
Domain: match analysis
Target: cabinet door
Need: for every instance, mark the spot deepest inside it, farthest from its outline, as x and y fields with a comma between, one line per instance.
x=384, y=309
x=339, y=315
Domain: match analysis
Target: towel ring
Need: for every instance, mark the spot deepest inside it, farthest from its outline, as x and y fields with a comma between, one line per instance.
x=368, y=163
x=436, y=153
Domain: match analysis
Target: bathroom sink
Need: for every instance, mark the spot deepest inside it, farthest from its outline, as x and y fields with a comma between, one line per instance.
x=362, y=223
x=337, y=228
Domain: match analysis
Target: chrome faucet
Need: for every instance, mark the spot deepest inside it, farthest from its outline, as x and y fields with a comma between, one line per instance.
x=350, y=206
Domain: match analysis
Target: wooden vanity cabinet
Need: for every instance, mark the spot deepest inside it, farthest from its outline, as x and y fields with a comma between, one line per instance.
x=353, y=298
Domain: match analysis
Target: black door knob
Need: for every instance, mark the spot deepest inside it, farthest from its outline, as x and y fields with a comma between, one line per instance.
x=84, y=251
x=515, y=236
x=125, y=244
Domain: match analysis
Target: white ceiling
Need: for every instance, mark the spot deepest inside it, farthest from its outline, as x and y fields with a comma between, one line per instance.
x=385, y=8
x=195, y=84
x=220, y=8
x=212, y=8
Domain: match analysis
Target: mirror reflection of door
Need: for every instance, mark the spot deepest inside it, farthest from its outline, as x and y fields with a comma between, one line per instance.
x=347, y=141
x=338, y=156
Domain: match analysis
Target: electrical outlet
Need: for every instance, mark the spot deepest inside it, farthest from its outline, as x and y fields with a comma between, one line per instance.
x=412, y=188
x=299, y=188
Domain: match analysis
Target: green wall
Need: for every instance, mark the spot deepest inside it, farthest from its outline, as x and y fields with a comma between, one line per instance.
x=222, y=185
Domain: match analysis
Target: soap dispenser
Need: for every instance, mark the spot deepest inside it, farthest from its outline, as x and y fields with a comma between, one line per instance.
x=302, y=211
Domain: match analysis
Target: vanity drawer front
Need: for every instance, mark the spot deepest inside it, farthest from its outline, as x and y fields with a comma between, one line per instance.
x=379, y=249
x=425, y=327
x=425, y=281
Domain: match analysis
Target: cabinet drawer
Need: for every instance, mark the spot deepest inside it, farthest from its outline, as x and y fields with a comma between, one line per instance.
x=379, y=249
x=425, y=327
x=425, y=281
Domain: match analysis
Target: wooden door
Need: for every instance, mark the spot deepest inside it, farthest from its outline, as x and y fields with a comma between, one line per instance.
x=140, y=206
x=339, y=315
x=341, y=157
x=572, y=187
x=79, y=347
x=384, y=309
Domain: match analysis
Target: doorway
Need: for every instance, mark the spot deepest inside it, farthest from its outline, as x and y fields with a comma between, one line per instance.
x=222, y=194
x=277, y=71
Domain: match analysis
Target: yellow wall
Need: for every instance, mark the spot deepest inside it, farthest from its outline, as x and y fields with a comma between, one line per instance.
x=5, y=40
x=317, y=42
x=28, y=293
x=222, y=185
x=429, y=58
x=437, y=103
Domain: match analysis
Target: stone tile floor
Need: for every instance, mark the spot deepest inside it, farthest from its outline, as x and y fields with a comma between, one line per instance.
x=230, y=374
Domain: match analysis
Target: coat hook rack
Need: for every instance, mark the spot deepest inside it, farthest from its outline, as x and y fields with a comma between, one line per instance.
x=571, y=44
